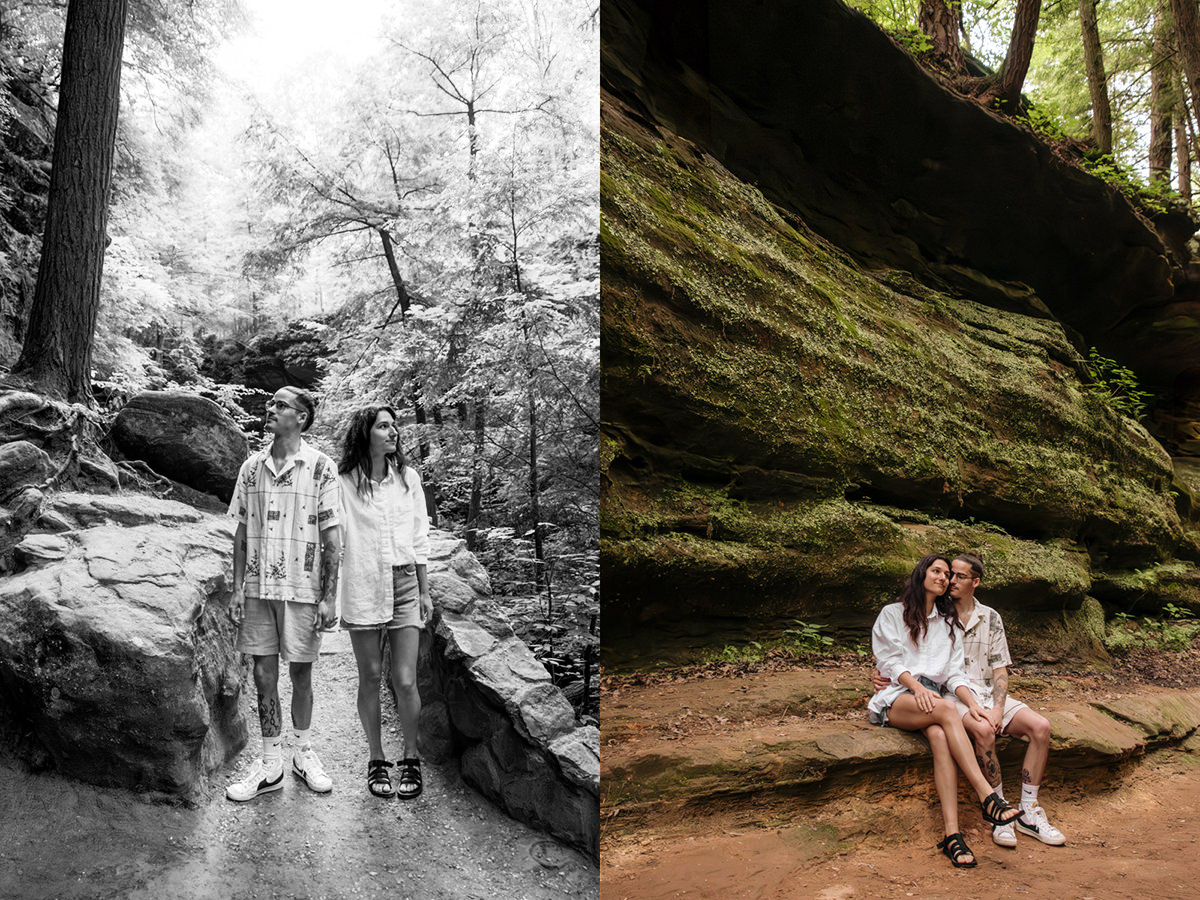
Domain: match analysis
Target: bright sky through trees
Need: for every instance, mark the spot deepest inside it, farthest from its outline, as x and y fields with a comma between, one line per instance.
x=282, y=36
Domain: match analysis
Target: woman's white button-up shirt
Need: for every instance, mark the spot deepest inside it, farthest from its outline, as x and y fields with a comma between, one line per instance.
x=387, y=527
x=937, y=657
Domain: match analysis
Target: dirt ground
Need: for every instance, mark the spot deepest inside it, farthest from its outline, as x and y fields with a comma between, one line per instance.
x=1138, y=840
x=1135, y=837
x=67, y=841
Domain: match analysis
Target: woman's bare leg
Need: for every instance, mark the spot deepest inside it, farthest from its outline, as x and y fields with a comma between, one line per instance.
x=905, y=714
x=369, y=656
x=945, y=779
x=405, y=647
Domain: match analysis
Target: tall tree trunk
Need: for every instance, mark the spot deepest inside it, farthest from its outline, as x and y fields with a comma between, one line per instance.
x=1183, y=157
x=389, y=252
x=475, y=504
x=57, y=353
x=1020, y=52
x=942, y=25
x=1164, y=97
x=541, y=582
x=1093, y=58
x=1187, y=40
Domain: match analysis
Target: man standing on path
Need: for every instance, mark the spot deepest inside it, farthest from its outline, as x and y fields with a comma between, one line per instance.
x=985, y=649
x=286, y=553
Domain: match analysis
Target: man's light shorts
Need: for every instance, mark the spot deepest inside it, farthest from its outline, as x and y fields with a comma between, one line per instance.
x=1012, y=706
x=282, y=627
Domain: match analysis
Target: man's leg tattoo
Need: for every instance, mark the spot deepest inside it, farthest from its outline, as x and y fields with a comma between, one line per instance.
x=1025, y=777
x=270, y=718
x=991, y=768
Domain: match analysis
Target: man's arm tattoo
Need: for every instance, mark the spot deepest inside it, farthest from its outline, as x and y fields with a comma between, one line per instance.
x=329, y=574
x=269, y=717
x=1000, y=686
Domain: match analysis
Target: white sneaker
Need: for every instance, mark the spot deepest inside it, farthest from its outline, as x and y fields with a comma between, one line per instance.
x=307, y=767
x=1033, y=823
x=259, y=780
x=1004, y=835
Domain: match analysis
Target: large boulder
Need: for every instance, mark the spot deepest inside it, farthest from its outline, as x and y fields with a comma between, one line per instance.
x=115, y=651
x=184, y=437
x=22, y=465
x=487, y=699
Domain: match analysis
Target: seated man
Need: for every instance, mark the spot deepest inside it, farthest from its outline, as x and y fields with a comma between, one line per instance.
x=986, y=651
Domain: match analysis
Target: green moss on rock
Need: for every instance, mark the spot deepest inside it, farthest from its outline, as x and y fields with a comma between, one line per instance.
x=785, y=433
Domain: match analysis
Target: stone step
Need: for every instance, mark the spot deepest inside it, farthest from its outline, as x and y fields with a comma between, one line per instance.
x=696, y=750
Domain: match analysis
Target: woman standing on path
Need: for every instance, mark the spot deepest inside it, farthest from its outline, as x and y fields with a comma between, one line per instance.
x=918, y=646
x=385, y=593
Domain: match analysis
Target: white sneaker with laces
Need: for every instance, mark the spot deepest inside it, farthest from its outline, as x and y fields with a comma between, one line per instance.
x=1004, y=835
x=306, y=766
x=1033, y=823
x=259, y=780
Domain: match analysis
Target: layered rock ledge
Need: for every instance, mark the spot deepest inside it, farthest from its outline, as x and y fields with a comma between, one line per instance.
x=494, y=705
x=782, y=741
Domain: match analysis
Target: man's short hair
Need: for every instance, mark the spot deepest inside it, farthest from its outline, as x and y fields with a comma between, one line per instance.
x=305, y=399
x=973, y=561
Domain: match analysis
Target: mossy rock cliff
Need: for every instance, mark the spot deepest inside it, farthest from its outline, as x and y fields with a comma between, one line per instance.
x=786, y=431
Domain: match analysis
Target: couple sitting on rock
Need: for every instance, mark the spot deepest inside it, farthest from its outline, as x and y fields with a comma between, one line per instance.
x=295, y=511
x=943, y=670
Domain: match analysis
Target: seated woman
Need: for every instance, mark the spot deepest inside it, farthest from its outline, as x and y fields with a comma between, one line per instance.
x=918, y=646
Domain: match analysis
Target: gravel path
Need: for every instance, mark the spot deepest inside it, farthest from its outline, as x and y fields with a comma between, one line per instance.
x=68, y=841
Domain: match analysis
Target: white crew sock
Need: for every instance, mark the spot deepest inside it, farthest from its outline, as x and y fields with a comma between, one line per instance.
x=303, y=738
x=1029, y=794
x=272, y=752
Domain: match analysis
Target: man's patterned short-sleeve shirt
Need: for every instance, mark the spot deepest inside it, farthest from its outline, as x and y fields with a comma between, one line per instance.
x=285, y=511
x=984, y=648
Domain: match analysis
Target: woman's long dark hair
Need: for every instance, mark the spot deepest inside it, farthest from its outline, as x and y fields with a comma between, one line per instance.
x=913, y=598
x=356, y=449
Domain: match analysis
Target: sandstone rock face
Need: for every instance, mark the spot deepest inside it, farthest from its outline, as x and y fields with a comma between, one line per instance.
x=962, y=197
x=115, y=651
x=184, y=437
x=488, y=699
x=786, y=430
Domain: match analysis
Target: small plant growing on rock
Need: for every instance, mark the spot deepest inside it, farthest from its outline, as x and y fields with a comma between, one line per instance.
x=1116, y=385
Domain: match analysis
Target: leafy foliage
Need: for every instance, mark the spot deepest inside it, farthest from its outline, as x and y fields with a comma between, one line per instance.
x=1116, y=385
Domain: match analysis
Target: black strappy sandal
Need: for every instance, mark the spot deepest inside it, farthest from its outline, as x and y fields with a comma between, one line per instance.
x=955, y=849
x=993, y=807
x=378, y=781
x=410, y=779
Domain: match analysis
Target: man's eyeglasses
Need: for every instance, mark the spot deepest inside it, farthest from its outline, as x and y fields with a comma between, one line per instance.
x=959, y=576
x=279, y=404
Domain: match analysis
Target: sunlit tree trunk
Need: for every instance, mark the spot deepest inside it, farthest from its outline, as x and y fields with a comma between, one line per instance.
x=1183, y=158
x=57, y=354
x=475, y=504
x=1020, y=52
x=1187, y=40
x=942, y=24
x=1093, y=58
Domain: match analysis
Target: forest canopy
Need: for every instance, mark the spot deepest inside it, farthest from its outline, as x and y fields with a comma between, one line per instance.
x=1115, y=80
